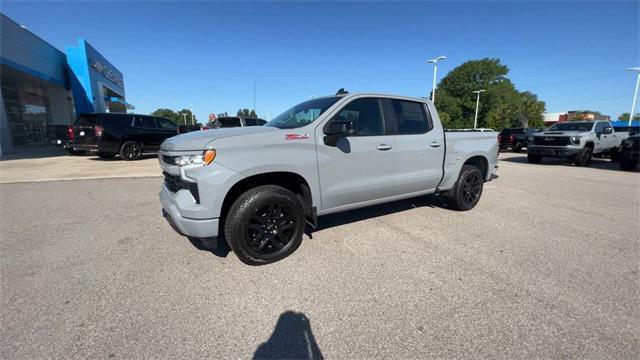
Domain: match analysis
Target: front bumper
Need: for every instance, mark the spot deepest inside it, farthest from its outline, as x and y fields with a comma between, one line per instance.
x=199, y=228
x=553, y=151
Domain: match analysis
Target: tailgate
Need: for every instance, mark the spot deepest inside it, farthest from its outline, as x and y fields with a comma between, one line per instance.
x=84, y=128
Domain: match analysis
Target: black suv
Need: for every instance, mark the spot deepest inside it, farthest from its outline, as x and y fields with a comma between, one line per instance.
x=127, y=135
x=515, y=138
x=237, y=121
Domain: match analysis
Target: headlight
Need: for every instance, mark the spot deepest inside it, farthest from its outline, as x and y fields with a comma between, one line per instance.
x=575, y=140
x=205, y=159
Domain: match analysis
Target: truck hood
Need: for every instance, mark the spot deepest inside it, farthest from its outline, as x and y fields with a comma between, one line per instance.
x=197, y=140
x=559, y=133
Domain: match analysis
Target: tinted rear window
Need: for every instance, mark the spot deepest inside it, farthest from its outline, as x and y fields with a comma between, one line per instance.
x=87, y=120
x=512, y=131
x=229, y=122
x=114, y=120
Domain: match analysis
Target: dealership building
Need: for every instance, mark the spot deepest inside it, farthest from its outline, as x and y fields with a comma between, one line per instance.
x=43, y=89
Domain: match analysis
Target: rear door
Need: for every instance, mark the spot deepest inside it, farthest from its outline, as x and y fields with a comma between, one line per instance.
x=360, y=167
x=166, y=128
x=419, y=148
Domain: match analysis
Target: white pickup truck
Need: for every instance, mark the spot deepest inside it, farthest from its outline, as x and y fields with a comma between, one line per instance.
x=259, y=185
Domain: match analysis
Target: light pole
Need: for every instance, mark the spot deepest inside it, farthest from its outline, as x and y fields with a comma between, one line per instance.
x=435, y=74
x=475, y=122
x=635, y=94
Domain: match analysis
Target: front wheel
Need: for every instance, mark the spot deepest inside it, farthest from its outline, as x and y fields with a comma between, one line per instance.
x=467, y=190
x=130, y=150
x=264, y=225
x=583, y=158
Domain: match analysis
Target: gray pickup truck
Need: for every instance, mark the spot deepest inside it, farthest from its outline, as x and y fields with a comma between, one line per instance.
x=577, y=141
x=259, y=186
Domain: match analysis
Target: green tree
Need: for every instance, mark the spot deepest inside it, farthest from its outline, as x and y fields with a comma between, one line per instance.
x=167, y=114
x=176, y=116
x=625, y=117
x=501, y=105
x=247, y=113
x=185, y=117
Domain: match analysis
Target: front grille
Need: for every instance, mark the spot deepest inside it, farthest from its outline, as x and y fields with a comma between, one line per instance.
x=551, y=140
x=175, y=183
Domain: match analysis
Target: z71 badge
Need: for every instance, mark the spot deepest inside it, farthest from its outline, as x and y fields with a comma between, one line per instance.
x=297, y=137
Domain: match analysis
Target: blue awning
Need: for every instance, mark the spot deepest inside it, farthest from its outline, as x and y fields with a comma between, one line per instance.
x=121, y=101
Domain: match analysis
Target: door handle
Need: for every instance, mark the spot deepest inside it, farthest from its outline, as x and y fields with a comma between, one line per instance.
x=435, y=144
x=383, y=147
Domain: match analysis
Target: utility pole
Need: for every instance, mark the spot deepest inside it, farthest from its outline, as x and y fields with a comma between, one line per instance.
x=635, y=94
x=435, y=75
x=475, y=122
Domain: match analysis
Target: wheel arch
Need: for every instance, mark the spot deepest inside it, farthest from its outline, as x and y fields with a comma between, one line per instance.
x=480, y=162
x=291, y=181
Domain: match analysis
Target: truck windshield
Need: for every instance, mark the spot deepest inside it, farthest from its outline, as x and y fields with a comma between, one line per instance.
x=302, y=114
x=572, y=126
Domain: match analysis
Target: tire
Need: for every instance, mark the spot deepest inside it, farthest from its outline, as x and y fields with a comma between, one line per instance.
x=583, y=158
x=106, y=155
x=130, y=150
x=626, y=164
x=534, y=159
x=75, y=152
x=467, y=190
x=517, y=147
x=259, y=236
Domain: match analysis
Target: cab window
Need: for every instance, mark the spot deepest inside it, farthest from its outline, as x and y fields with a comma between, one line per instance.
x=410, y=117
x=365, y=113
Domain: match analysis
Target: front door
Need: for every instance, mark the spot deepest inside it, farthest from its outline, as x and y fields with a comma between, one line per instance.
x=359, y=167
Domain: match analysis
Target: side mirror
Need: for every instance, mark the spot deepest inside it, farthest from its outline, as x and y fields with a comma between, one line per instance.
x=338, y=129
x=607, y=130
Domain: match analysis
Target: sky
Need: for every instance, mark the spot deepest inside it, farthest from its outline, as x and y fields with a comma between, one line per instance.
x=572, y=54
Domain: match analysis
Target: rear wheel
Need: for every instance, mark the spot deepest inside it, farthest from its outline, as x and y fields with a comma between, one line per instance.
x=517, y=147
x=467, y=190
x=583, y=158
x=534, y=159
x=264, y=225
x=130, y=150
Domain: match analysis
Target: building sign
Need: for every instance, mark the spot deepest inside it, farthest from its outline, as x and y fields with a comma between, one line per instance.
x=108, y=72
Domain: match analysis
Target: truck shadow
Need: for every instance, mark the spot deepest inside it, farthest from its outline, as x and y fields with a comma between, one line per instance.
x=596, y=163
x=347, y=217
x=292, y=338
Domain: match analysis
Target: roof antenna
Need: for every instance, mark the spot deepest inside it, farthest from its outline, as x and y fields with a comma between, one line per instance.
x=342, y=91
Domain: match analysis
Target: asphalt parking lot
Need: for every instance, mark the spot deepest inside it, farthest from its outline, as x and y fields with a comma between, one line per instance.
x=545, y=266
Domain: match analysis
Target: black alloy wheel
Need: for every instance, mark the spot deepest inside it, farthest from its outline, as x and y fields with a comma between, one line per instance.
x=467, y=190
x=265, y=224
x=131, y=150
x=472, y=188
x=270, y=228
